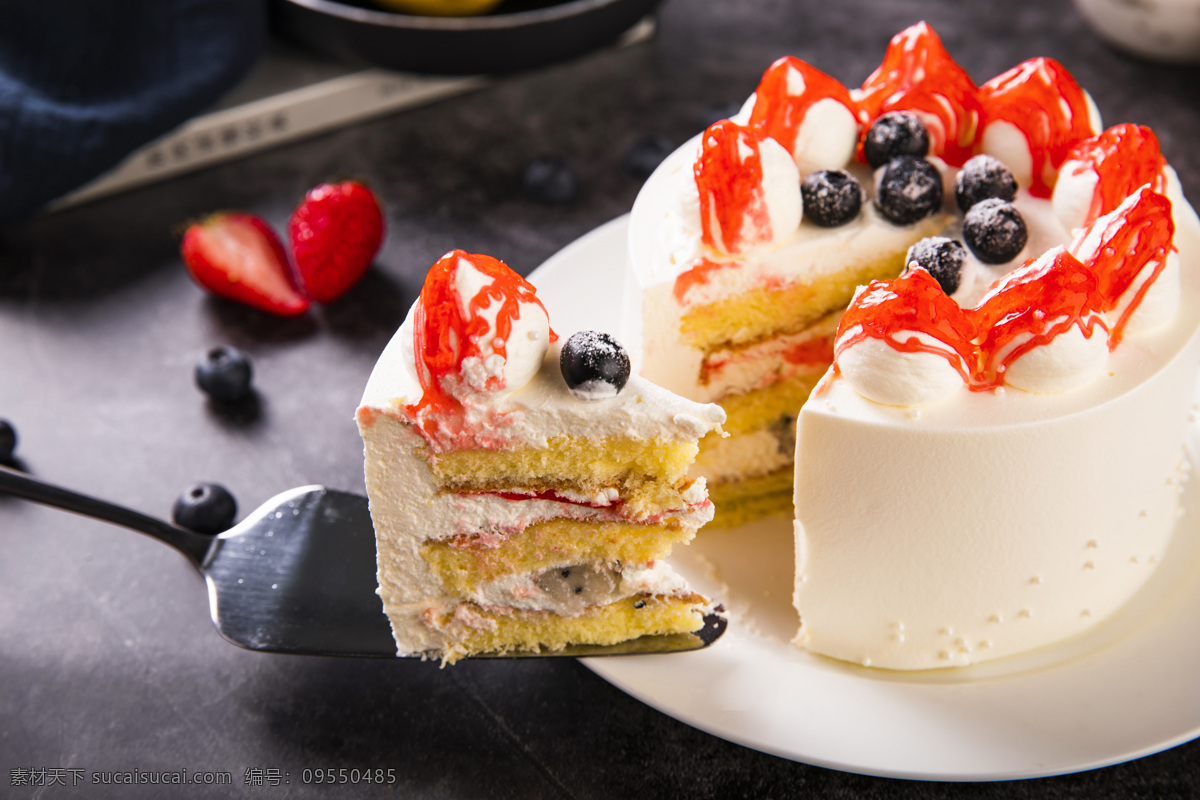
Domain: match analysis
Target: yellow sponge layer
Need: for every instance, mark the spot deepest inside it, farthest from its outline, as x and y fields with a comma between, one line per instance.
x=741, y=501
x=465, y=563
x=763, y=407
x=769, y=311
x=507, y=630
x=650, y=474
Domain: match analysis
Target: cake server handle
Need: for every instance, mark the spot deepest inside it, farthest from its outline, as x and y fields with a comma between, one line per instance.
x=194, y=546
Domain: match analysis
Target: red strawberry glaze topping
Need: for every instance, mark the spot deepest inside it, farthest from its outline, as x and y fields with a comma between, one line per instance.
x=788, y=89
x=548, y=494
x=729, y=176
x=616, y=509
x=917, y=74
x=1029, y=307
x=815, y=351
x=450, y=328
x=913, y=303
x=1135, y=236
x=807, y=355
x=1123, y=157
x=1041, y=99
x=697, y=275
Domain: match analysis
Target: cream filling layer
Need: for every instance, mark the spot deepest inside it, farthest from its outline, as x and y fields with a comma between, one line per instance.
x=581, y=587
x=744, y=456
x=730, y=371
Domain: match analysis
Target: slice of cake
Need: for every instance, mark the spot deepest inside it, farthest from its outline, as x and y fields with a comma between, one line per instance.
x=524, y=491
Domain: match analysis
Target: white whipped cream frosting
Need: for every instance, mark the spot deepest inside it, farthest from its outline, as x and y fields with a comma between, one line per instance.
x=1065, y=363
x=1159, y=302
x=992, y=542
x=1070, y=360
x=825, y=139
x=525, y=347
x=781, y=193
x=758, y=452
x=527, y=591
x=1008, y=143
x=544, y=407
x=780, y=197
x=881, y=373
x=1072, y=197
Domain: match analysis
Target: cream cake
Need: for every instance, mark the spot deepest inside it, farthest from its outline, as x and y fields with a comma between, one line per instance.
x=524, y=491
x=993, y=462
x=995, y=468
x=748, y=242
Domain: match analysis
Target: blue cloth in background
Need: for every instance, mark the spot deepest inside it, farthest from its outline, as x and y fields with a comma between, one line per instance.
x=83, y=83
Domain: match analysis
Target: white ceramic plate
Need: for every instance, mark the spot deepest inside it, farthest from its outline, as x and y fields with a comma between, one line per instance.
x=1123, y=690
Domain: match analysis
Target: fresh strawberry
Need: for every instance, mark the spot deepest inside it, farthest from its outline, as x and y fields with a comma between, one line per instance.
x=335, y=234
x=239, y=257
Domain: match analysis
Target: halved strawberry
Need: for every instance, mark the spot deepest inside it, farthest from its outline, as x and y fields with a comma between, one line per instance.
x=334, y=233
x=238, y=256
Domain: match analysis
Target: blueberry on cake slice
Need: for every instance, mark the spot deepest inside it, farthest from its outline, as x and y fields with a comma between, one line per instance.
x=525, y=491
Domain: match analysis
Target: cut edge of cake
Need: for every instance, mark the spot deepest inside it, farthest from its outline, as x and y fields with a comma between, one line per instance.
x=537, y=519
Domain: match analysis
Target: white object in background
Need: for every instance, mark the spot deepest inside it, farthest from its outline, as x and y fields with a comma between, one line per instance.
x=1161, y=30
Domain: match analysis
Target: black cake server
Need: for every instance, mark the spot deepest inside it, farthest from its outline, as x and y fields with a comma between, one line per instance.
x=297, y=575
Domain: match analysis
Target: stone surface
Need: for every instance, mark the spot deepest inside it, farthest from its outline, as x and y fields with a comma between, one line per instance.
x=108, y=660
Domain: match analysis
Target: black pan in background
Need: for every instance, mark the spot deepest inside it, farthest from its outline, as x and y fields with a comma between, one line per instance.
x=518, y=35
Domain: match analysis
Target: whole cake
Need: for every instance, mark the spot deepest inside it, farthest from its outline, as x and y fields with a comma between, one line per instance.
x=524, y=491
x=993, y=462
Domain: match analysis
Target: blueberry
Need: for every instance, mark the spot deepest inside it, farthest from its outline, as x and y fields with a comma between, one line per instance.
x=550, y=179
x=982, y=178
x=645, y=153
x=908, y=189
x=582, y=585
x=205, y=508
x=594, y=365
x=896, y=133
x=995, y=231
x=941, y=257
x=224, y=374
x=8, y=441
x=832, y=197
x=784, y=431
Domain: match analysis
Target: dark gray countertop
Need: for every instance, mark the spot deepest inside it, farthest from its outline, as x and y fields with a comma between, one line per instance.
x=108, y=660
